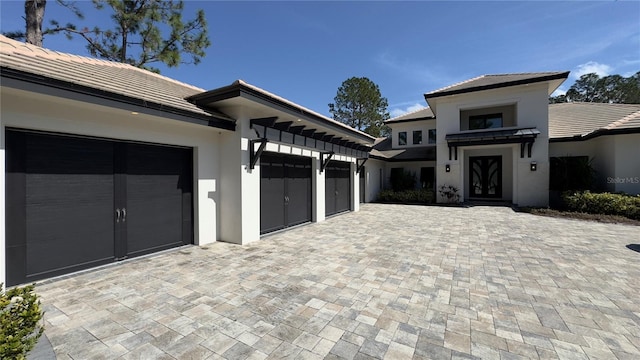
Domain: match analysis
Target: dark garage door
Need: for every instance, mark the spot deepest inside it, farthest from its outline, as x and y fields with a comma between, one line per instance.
x=337, y=187
x=285, y=191
x=74, y=203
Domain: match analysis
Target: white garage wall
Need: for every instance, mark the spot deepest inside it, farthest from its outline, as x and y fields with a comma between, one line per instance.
x=21, y=109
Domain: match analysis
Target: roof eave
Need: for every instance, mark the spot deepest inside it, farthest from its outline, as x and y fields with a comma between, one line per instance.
x=239, y=89
x=558, y=76
x=39, y=80
x=596, y=133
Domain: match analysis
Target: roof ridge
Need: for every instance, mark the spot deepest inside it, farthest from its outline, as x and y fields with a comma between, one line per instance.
x=24, y=48
x=626, y=119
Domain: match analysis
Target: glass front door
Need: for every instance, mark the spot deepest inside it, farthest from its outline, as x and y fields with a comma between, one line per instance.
x=485, y=176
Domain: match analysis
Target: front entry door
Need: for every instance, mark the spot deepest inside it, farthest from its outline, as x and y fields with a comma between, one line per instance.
x=485, y=176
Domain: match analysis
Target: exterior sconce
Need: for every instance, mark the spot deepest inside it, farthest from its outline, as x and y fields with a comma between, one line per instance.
x=447, y=168
x=534, y=166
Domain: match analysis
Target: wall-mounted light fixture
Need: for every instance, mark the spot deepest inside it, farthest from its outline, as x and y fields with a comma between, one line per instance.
x=534, y=166
x=447, y=168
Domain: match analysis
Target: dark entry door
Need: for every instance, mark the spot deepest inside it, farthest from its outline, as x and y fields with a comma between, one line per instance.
x=362, y=184
x=285, y=191
x=485, y=176
x=337, y=187
x=62, y=193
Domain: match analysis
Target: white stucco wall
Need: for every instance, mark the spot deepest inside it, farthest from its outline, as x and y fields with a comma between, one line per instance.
x=373, y=183
x=72, y=117
x=410, y=127
x=531, y=104
x=616, y=159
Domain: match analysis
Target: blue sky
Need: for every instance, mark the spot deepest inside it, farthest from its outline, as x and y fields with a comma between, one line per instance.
x=303, y=51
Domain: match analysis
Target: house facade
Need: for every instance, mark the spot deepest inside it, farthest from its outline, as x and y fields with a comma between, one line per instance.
x=495, y=138
x=104, y=161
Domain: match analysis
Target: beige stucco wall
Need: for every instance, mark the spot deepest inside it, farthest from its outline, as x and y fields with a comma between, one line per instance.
x=374, y=179
x=531, y=105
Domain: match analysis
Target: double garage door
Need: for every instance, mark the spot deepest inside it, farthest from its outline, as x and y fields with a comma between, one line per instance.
x=74, y=203
x=286, y=190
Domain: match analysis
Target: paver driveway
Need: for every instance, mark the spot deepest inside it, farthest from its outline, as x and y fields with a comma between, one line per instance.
x=390, y=281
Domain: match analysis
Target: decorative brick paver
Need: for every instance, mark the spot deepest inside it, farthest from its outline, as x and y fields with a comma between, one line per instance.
x=388, y=282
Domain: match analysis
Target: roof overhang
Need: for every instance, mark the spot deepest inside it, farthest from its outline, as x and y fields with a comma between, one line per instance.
x=522, y=136
x=215, y=99
x=596, y=133
x=26, y=81
x=561, y=76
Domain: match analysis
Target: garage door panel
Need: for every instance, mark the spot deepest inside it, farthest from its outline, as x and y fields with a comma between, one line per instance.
x=157, y=178
x=298, y=190
x=69, y=188
x=272, y=192
x=337, y=187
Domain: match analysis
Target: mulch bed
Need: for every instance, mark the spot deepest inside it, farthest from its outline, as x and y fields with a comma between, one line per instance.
x=611, y=219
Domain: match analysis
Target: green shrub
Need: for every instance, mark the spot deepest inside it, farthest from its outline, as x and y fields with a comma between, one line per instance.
x=450, y=193
x=421, y=196
x=20, y=317
x=603, y=203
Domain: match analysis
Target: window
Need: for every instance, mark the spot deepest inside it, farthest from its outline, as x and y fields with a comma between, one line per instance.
x=402, y=138
x=417, y=137
x=490, y=121
x=432, y=136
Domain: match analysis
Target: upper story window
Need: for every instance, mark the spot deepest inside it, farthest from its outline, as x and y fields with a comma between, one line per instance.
x=402, y=138
x=432, y=136
x=417, y=137
x=489, y=121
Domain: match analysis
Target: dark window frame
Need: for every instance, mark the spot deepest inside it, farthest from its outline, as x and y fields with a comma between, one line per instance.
x=402, y=138
x=431, y=131
x=419, y=137
x=484, y=118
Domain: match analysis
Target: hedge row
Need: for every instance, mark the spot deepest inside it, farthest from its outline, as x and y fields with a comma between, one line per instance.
x=406, y=196
x=603, y=203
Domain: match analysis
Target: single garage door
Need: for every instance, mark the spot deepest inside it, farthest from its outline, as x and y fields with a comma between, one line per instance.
x=74, y=203
x=285, y=191
x=337, y=187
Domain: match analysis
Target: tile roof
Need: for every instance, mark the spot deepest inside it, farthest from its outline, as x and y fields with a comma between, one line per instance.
x=485, y=82
x=579, y=119
x=420, y=114
x=107, y=77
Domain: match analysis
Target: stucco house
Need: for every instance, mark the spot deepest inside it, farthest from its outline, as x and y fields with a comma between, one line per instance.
x=104, y=161
x=493, y=138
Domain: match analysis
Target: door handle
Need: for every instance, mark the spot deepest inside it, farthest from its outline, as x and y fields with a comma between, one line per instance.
x=124, y=214
x=117, y=215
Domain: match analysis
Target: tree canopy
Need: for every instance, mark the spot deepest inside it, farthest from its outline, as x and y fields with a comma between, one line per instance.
x=144, y=32
x=607, y=89
x=360, y=105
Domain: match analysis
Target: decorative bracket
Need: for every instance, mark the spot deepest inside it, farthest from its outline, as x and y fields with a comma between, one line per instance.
x=324, y=162
x=455, y=151
x=360, y=165
x=254, y=155
x=528, y=145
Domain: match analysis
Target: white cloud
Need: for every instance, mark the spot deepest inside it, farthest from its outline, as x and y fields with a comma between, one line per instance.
x=401, y=111
x=592, y=67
